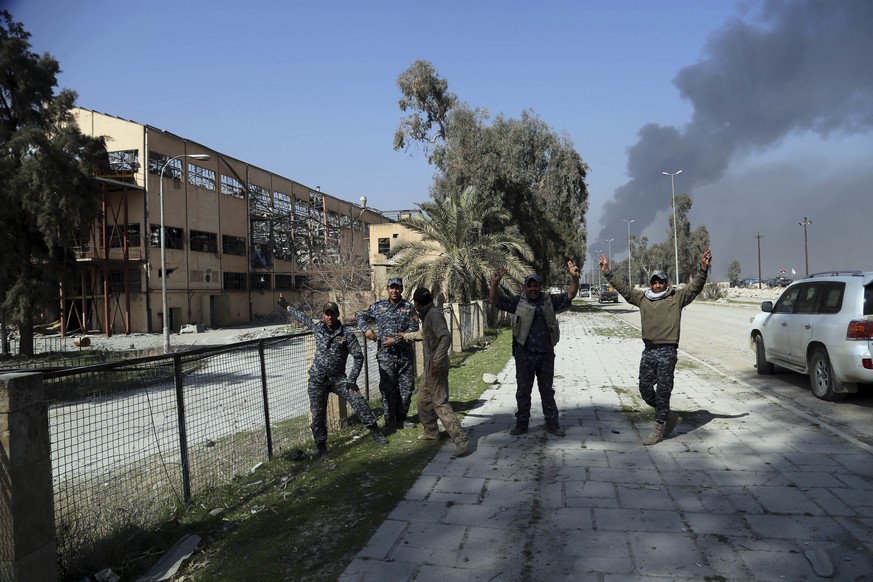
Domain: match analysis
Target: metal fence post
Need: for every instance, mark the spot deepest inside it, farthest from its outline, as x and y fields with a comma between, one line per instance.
x=28, y=548
x=183, y=433
x=267, y=426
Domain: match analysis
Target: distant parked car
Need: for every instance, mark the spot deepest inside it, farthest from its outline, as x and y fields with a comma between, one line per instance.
x=608, y=294
x=822, y=326
x=584, y=290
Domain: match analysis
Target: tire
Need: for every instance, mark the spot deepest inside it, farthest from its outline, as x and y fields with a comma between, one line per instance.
x=764, y=367
x=822, y=378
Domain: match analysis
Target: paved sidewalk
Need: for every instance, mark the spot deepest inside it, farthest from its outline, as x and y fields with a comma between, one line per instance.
x=745, y=489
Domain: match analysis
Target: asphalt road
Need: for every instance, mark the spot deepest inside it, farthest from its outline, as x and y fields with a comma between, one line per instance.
x=718, y=335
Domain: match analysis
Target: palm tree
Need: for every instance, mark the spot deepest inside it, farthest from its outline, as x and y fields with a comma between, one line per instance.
x=455, y=257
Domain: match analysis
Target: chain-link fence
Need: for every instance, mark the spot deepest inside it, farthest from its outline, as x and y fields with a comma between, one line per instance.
x=132, y=440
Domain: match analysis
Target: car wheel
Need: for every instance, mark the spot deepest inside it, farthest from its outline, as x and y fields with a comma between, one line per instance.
x=821, y=376
x=764, y=367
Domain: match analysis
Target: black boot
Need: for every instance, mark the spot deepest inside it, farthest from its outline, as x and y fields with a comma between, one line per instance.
x=322, y=451
x=377, y=436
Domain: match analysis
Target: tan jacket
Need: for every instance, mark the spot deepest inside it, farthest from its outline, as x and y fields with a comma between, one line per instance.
x=660, y=320
x=435, y=337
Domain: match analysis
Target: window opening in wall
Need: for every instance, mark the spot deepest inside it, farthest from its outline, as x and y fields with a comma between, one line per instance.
x=232, y=187
x=384, y=246
x=204, y=242
x=233, y=245
x=259, y=200
x=116, y=236
x=116, y=281
x=284, y=282
x=234, y=281
x=301, y=282
x=174, y=237
x=201, y=177
x=124, y=162
x=173, y=169
x=260, y=281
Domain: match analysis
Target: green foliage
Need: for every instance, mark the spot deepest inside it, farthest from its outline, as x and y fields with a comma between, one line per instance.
x=455, y=256
x=522, y=165
x=734, y=271
x=713, y=291
x=300, y=519
x=46, y=188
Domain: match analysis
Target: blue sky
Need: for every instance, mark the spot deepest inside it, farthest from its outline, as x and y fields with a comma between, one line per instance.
x=308, y=90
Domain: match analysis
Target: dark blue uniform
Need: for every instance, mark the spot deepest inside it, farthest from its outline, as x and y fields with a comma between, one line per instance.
x=327, y=373
x=535, y=359
x=396, y=362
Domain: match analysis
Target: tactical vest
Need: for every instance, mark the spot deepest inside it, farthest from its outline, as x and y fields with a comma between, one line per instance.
x=524, y=316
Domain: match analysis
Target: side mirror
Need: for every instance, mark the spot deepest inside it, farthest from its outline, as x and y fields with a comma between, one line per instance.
x=767, y=306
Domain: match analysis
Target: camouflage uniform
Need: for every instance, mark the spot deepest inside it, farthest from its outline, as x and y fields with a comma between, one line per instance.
x=396, y=363
x=327, y=373
x=536, y=358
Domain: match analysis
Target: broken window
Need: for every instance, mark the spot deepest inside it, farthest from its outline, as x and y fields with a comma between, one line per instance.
x=124, y=161
x=204, y=242
x=201, y=177
x=232, y=187
x=234, y=281
x=384, y=246
x=233, y=245
x=173, y=168
x=173, y=240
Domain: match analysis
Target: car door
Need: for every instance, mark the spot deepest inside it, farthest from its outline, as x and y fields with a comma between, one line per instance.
x=775, y=330
x=799, y=327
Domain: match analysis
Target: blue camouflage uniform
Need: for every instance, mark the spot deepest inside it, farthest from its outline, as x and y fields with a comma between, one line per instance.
x=327, y=373
x=396, y=363
x=535, y=359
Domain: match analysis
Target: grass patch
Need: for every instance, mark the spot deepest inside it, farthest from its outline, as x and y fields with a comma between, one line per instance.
x=297, y=518
x=633, y=405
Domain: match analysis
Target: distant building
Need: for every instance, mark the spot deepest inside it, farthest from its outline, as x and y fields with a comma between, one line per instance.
x=384, y=240
x=235, y=235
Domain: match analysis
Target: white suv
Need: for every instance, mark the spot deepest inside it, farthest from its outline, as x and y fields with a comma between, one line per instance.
x=821, y=326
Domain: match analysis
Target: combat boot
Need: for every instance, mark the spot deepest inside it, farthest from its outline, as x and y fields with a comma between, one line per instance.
x=656, y=435
x=322, y=451
x=377, y=435
x=462, y=449
x=673, y=421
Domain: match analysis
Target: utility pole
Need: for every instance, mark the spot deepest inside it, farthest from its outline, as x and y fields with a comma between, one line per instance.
x=806, y=222
x=759, y=236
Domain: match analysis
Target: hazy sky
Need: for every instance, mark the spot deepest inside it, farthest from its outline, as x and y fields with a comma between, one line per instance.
x=767, y=107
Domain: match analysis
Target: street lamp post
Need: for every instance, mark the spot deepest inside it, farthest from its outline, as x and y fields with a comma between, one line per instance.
x=608, y=241
x=759, y=236
x=165, y=313
x=675, y=226
x=806, y=222
x=629, y=255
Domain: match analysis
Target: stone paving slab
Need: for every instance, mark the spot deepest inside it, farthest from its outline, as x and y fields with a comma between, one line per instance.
x=745, y=489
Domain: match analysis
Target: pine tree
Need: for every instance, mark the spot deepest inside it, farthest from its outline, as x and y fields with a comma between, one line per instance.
x=46, y=186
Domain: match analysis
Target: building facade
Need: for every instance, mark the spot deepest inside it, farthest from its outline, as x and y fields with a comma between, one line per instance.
x=234, y=236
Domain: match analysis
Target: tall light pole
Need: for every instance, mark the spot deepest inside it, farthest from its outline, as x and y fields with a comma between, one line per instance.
x=629, y=255
x=675, y=226
x=759, y=236
x=806, y=222
x=166, y=315
x=608, y=241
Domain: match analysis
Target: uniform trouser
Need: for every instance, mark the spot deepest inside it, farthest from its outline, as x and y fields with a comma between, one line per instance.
x=530, y=365
x=433, y=403
x=396, y=383
x=319, y=388
x=657, y=365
